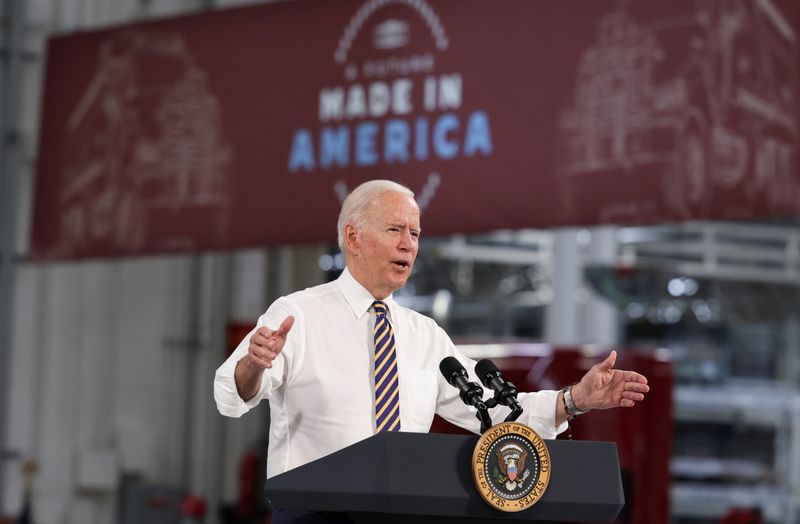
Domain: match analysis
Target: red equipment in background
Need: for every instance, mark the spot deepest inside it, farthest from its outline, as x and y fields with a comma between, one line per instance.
x=643, y=433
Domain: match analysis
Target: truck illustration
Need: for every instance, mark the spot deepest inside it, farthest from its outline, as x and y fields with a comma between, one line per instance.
x=707, y=101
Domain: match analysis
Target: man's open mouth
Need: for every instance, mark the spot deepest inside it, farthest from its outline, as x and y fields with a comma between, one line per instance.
x=400, y=263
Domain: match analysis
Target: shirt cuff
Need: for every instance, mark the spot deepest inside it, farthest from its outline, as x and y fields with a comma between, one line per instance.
x=229, y=403
x=540, y=413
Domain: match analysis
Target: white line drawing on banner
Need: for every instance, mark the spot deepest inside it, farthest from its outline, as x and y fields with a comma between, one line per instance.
x=144, y=144
x=428, y=191
x=340, y=190
x=392, y=34
x=423, y=197
x=368, y=9
x=710, y=97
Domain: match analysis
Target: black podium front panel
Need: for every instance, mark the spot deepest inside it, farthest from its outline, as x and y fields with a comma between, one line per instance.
x=397, y=476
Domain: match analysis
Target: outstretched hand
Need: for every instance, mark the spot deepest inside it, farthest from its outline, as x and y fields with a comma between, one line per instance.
x=266, y=344
x=264, y=347
x=604, y=387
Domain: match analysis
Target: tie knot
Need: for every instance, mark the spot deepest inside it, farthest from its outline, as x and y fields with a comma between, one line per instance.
x=379, y=307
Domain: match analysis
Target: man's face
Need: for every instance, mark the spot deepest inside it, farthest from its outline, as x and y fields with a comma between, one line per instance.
x=384, y=250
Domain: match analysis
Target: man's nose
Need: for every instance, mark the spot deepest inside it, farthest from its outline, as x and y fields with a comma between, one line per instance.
x=406, y=241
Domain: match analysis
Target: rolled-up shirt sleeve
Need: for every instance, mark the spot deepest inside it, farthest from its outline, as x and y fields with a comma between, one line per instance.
x=226, y=394
x=539, y=412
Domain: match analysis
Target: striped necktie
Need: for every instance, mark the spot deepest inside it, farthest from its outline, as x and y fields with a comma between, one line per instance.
x=387, y=392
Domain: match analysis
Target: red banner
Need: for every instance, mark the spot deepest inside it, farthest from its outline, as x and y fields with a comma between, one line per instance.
x=246, y=127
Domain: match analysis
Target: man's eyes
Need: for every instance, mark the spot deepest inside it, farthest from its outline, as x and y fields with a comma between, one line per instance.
x=395, y=229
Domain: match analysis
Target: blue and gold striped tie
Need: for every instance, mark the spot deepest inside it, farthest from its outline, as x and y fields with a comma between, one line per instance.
x=387, y=392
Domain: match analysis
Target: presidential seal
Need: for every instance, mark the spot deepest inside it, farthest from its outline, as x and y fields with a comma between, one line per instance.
x=511, y=466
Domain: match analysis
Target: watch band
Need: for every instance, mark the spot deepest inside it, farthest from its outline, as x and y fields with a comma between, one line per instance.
x=572, y=410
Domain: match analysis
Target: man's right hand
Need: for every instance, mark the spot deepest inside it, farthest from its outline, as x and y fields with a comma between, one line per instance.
x=266, y=344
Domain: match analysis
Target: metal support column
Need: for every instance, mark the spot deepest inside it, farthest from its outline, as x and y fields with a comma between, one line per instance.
x=561, y=326
x=192, y=348
x=10, y=153
x=576, y=316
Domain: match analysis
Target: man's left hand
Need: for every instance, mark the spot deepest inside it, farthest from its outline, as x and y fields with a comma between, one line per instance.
x=604, y=387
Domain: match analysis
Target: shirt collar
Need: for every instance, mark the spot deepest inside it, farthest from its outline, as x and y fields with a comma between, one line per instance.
x=357, y=296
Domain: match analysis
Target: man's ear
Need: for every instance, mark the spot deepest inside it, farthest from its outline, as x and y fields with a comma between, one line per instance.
x=351, y=239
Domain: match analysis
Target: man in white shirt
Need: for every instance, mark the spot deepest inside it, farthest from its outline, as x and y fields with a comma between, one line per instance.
x=311, y=353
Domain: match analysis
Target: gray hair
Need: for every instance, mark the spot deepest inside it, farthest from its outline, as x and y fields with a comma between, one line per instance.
x=354, y=207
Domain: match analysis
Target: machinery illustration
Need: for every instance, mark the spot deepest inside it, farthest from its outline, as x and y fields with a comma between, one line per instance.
x=144, y=141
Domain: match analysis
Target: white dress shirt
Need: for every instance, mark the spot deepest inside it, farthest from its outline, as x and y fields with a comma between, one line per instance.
x=321, y=386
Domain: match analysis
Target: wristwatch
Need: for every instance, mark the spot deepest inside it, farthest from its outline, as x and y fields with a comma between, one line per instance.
x=572, y=410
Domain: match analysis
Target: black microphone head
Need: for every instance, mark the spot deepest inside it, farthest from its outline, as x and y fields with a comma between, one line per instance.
x=486, y=370
x=451, y=368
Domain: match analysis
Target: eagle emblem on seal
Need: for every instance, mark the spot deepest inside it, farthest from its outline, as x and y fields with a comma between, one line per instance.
x=511, y=470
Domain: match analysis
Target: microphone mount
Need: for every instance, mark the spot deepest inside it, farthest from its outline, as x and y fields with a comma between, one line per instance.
x=505, y=393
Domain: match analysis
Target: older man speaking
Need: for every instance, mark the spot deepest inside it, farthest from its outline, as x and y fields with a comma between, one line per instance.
x=342, y=361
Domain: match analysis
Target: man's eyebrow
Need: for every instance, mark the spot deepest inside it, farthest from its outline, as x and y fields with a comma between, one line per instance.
x=398, y=224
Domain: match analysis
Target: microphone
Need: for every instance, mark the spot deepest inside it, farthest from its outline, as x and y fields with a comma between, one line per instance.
x=455, y=374
x=470, y=392
x=505, y=393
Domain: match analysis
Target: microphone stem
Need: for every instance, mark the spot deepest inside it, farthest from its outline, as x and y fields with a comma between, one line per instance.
x=516, y=411
x=483, y=415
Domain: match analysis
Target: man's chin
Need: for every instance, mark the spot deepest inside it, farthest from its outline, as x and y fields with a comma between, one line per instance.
x=400, y=280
